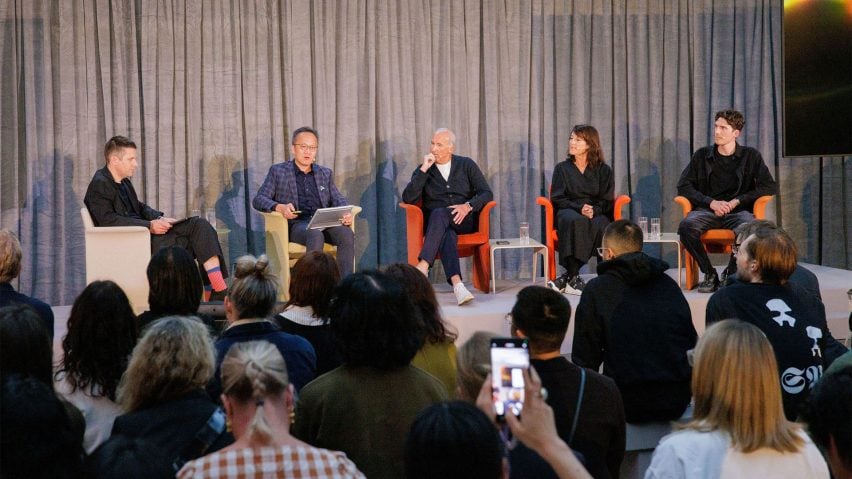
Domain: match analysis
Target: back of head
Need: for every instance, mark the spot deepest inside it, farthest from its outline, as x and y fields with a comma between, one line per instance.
x=421, y=293
x=542, y=315
x=374, y=321
x=102, y=331
x=453, y=440
x=37, y=439
x=254, y=372
x=24, y=344
x=745, y=230
x=174, y=357
x=775, y=253
x=175, y=283
x=125, y=457
x=736, y=388
x=623, y=236
x=473, y=360
x=828, y=413
x=314, y=278
x=255, y=289
x=10, y=256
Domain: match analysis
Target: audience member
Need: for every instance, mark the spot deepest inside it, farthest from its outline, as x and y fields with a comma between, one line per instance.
x=454, y=440
x=248, y=308
x=365, y=407
x=162, y=392
x=102, y=332
x=828, y=414
x=37, y=440
x=793, y=320
x=722, y=181
x=297, y=188
x=124, y=457
x=306, y=313
x=26, y=350
x=634, y=319
x=258, y=401
x=112, y=201
x=438, y=354
x=10, y=268
x=801, y=276
x=582, y=192
x=451, y=190
x=473, y=361
x=598, y=431
x=738, y=427
x=175, y=287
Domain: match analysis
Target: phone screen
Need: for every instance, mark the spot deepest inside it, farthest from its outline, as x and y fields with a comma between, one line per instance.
x=509, y=358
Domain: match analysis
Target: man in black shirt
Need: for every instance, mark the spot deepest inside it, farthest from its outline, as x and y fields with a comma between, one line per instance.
x=451, y=189
x=112, y=201
x=722, y=182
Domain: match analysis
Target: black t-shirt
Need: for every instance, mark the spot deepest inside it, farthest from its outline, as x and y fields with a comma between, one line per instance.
x=723, y=178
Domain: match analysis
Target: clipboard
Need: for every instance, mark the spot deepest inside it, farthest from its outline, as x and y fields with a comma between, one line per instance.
x=328, y=217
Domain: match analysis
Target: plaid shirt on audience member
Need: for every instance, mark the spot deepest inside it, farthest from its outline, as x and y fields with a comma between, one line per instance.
x=272, y=462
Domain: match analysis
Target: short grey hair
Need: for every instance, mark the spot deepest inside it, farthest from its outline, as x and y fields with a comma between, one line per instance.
x=449, y=133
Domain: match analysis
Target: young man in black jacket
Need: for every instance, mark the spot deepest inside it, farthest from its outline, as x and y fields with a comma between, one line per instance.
x=634, y=319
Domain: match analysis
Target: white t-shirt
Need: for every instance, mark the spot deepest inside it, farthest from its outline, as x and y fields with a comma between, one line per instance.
x=445, y=169
x=98, y=411
x=693, y=454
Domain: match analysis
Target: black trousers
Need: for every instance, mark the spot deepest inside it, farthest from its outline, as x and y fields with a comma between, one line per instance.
x=196, y=236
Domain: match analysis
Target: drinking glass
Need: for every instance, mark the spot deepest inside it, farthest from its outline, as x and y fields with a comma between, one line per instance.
x=525, y=233
x=655, y=228
x=643, y=225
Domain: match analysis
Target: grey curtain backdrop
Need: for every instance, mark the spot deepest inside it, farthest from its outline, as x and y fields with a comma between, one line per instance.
x=211, y=90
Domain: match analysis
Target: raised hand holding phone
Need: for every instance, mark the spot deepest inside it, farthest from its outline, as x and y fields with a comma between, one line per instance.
x=510, y=358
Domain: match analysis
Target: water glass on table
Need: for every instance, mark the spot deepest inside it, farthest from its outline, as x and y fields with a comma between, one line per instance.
x=525, y=233
x=655, y=229
x=643, y=225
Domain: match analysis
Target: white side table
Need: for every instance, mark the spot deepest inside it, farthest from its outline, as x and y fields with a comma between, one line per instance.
x=515, y=243
x=668, y=238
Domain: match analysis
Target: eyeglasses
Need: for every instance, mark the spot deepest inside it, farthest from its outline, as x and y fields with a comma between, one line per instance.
x=735, y=249
x=305, y=147
x=601, y=251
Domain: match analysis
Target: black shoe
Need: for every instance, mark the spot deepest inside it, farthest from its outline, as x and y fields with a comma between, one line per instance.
x=727, y=277
x=575, y=286
x=559, y=283
x=218, y=296
x=710, y=283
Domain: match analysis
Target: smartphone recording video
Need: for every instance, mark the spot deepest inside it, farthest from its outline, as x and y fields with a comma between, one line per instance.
x=509, y=358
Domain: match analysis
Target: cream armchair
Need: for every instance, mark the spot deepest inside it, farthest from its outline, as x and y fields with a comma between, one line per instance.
x=120, y=254
x=283, y=254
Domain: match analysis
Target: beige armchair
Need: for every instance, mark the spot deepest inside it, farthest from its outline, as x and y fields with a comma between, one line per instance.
x=283, y=254
x=120, y=254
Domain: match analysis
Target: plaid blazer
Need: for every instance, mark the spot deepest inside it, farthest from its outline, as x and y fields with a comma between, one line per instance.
x=279, y=187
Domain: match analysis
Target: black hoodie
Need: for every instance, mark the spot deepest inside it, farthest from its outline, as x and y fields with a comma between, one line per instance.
x=634, y=319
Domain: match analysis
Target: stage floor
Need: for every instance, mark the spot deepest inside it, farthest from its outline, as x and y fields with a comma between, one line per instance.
x=488, y=311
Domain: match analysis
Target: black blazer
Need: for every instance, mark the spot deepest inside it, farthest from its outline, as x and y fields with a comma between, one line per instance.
x=104, y=202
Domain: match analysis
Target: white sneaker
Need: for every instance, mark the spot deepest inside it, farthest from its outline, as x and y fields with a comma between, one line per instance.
x=463, y=296
x=575, y=286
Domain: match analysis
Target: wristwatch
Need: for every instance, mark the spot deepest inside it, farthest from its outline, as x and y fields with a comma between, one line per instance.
x=469, y=205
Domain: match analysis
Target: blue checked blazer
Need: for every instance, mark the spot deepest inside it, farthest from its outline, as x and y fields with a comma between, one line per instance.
x=279, y=187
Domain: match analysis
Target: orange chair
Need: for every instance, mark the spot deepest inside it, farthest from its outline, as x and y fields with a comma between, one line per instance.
x=714, y=240
x=471, y=244
x=551, y=239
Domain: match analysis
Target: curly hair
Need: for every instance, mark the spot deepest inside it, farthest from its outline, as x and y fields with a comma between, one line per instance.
x=314, y=278
x=374, y=322
x=174, y=357
x=255, y=289
x=175, y=282
x=422, y=294
x=253, y=372
x=102, y=331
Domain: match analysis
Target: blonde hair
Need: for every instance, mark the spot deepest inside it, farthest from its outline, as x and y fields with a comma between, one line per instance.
x=736, y=389
x=10, y=256
x=255, y=289
x=254, y=371
x=473, y=361
x=174, y=357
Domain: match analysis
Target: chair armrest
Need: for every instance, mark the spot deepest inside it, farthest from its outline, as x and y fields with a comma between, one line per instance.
x=548, y=218
x=760, y=206
x=113, y=230
x=620, y=201
x=413, y=230
x=684, y=203
x=485, y=217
